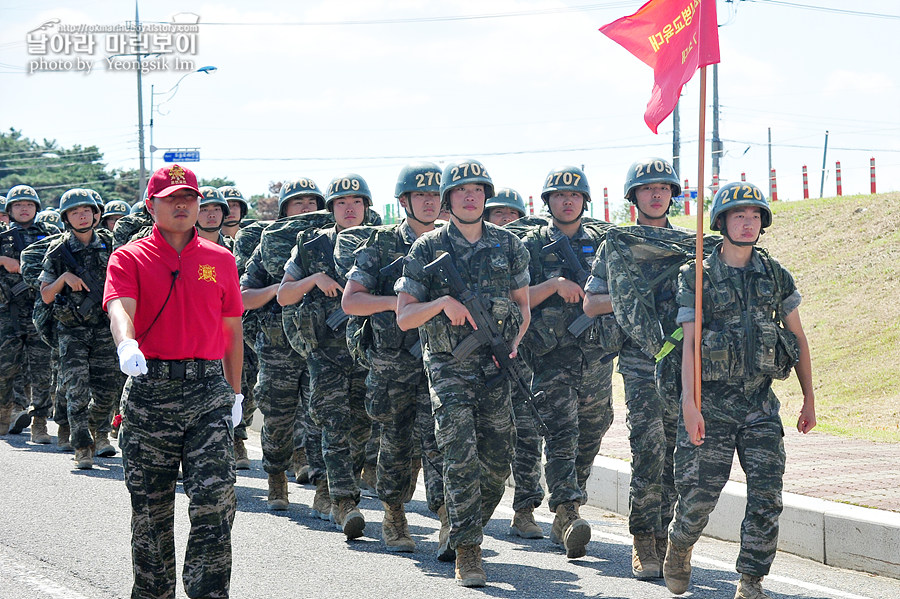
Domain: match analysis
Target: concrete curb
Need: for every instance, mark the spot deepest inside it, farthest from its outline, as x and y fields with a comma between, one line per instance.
x=835, y=534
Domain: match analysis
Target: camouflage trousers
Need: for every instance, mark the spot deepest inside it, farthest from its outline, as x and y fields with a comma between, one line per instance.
x=526, y=466
x=90, y=375
x=22, y=351
x=475, y=431
x=167, y=423
x=652, y=424
x=279, y=389
x=577, y=409
x=397, y=398
x=248, y=382
x=337, y=406
x=754, y=430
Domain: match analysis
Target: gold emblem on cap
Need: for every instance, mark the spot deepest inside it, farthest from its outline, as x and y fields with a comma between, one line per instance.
x=176, y=175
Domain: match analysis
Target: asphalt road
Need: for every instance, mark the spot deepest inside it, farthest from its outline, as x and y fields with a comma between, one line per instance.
x=65, y=534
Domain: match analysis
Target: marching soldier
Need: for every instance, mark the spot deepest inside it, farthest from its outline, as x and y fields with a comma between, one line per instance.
x=74, y=272
x=474, y=423
x=751, y=334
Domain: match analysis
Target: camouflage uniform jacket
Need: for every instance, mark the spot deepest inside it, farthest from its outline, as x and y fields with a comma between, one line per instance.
x=493, y=266
x=633, y=361
x=12, y=241
x=93, y=257
x=378, y=252
x=741, y=343
x=130, y=226
x=551, y=318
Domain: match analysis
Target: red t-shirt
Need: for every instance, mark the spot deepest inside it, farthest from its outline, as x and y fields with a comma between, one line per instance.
x=205, y=290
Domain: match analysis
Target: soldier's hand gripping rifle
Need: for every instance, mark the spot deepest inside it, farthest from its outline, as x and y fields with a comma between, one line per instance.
x=563, y=250
x=487, y=334
x=323, y=246
x=95, y=296
x=393, y=271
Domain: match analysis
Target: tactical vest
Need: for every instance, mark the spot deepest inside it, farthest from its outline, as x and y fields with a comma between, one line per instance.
x=246, y=241
x=487, y=272
x=31, y=266
x=743, y=334
x=13, y=289
x=69, y=305
x=129, y=227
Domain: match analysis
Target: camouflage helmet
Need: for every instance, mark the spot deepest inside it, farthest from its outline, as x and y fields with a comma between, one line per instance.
x=49, y=216
x=303, y=186
x=462, y=172
x=74, y=198
x=230, y=193
x=650, y=170
x=211, y=195
x=735, y=195
x=348, y=185
x=138, y=207
x=418, y=176
x=97, y=198
x=507, y=198
x=566, y=178
x=115, y=208
x=22, y=193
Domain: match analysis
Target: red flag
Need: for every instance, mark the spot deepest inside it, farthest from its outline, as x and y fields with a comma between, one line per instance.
x=674, y=38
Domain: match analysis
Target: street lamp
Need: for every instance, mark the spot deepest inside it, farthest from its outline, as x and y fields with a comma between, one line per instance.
x=171, y=92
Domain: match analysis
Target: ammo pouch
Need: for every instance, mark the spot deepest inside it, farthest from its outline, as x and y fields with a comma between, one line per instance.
x=385, y=332
x=310, y=323
x=777, y=350
x=543, y=333
x=44, y=321
x=719, y=359
x=508, y=317
x=65, y=312
x=271, y=327
x=359, y=338
x=605, y=334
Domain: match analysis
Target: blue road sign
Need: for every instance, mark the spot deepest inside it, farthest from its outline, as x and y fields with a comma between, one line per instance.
x=182, y=156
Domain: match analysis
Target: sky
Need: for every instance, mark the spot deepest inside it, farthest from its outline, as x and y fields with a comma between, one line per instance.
x=319, y=89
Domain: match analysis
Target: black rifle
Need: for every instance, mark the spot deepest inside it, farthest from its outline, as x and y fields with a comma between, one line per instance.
x=21, y=287
x=95, y=296
x=323, y=246
x=562, y=247
x=394, y=270
x=487, y=333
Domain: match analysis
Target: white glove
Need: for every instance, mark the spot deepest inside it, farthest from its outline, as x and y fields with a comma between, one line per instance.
x=131, y=360
x=236, y=411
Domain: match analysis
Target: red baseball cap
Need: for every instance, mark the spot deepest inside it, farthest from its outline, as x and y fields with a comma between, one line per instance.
x=166, y=181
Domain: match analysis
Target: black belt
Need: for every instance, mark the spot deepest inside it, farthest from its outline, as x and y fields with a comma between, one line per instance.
x=182, y=370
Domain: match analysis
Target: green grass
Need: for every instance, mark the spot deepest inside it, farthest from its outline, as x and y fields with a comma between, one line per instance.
x=844, y=254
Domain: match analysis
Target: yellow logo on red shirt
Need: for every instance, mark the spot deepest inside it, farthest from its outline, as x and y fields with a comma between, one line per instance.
x=206, y=273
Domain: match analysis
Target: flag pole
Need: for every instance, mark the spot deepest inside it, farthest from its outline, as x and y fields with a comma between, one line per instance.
x=698, y=281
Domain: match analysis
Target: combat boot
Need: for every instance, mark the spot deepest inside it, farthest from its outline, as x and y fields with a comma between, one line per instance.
x=39, y=431
x=321, y=505
x=241, y=460
x=348, y=518
x=5, y=419
x=570, y=530
x=62, y=438
x=19, y=422
x=445, y=553
x=300, y=466
x=644, y=559
x=677, y=568
x=750, y=587
x=523, y=524
x=102, y=446
x=84, y=458
x=395, y=529
x=469, y=571
x=278, y=492
x=662, y=546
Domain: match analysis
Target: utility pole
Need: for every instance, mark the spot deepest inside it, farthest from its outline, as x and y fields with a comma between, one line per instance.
x=676, y=140
x=716, y=142
x=824, y=158
x=140, y=93
x=769, y=174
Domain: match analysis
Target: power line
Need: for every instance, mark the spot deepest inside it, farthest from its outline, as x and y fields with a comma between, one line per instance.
x=839, y=11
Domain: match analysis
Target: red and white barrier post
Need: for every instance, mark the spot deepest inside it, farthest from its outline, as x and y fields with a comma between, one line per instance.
x=872, y=173
x=837, y=178
x=805, y=184
x=773, y=184
x=606, y=205
x=744, y=177
x=685, y=191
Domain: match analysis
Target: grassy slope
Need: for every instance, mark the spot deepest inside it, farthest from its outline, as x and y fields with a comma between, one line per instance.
x=844, y=254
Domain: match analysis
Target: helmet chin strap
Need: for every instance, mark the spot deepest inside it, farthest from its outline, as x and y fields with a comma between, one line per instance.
x=568, y=222
x=210, y=229
x=740, y=243
x=468, y=222
x=82, y=229
x=648, y=217
x=410, y=213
